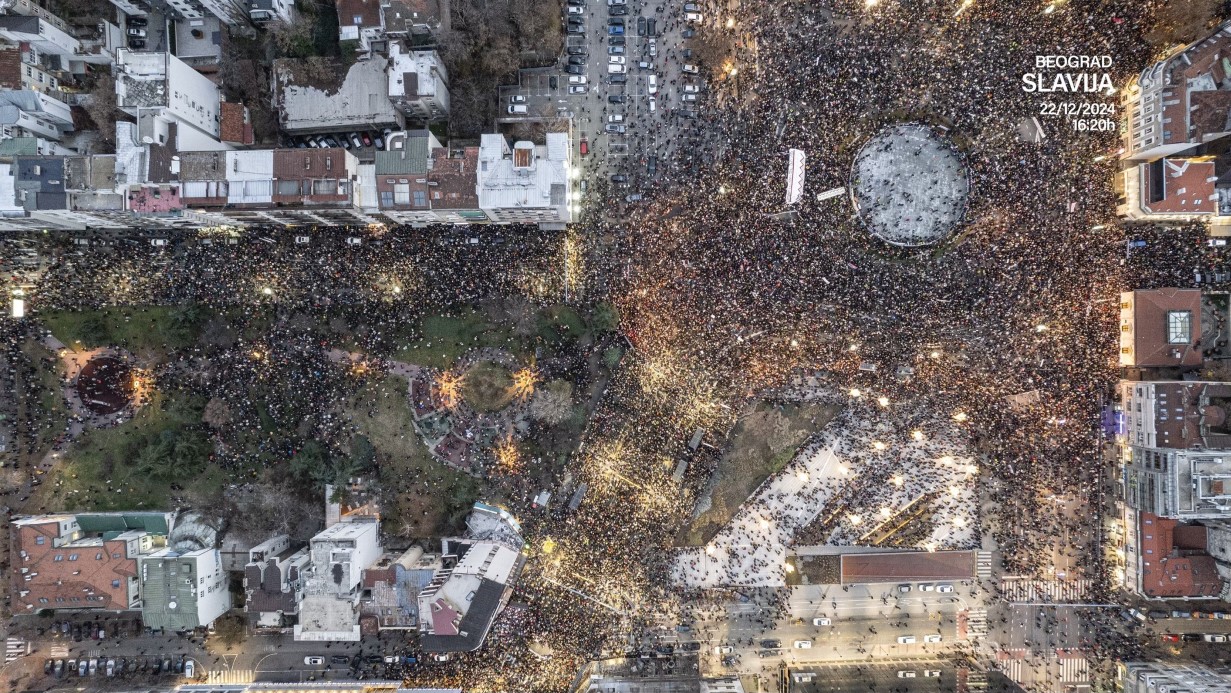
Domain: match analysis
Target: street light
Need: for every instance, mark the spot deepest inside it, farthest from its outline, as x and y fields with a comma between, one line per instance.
x=917, y=435
x=959, y=416
x=878, y=446
x=730, y=22
x=267, y=291
x=898, y=481
x=883, y=401
x=856, y=392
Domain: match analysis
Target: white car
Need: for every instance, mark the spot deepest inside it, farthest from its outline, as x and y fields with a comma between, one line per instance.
x=803, y=644
x=616, y=69
x=616, y=118
x=190, y=669
x=158, y=242
x=821, y=622
x=354, y=240
x=722, y=649
x=692, y=69
x=692, y=16
x=572, y=9
x=617, y=59
x=653, y=102
x=1217, y=242
x=314, y=661
x=931, y=673
x=301, y=240
x=652, y=84
x=578, y=90
x=617, y=2
x=688, y=97
x=578, y=79
x=906, y=640
x=927, y=587
x=906, y=674
x=692, y=89
x=933, y=637
x=944, y=589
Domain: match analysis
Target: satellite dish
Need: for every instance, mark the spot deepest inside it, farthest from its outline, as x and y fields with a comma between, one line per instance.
x=171, y=605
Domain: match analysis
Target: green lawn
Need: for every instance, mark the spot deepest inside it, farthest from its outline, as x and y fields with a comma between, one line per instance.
x=99, y=472
x=138, y=328
x=446, y=338
x=762, y=443
x=424, y=497
x=47, y=404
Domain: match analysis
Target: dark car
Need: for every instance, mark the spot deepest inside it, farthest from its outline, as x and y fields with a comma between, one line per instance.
x=339, y=659
x=615, y=21
x=575, y=69
x=137, y=21
x=576, y=28
x=157, y=666
x=651, y=27
x=617, y=10
x=136, y=44
x=688, y=33
x=48, y=665
x=577, y=50
x=576, y=60
x=366, y=138
x=615, y=98
x=373, y=659
x=641, y=26
x=1191, y=637
x=651, y=164
x=616, y=40
x=619, y=178
x=690, y=646
x=771, y=644
x=554, y=82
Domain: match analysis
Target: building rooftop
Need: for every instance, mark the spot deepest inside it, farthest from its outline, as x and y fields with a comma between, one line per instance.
x=235, y=126
x=10, y=68
x=361, y=102
x=359, y=13
x=1180, y=186
x=526, y=176
x=410, y=74
x=907, y=566
x=1173, y=559
x=403, y=16
x=1160, y=327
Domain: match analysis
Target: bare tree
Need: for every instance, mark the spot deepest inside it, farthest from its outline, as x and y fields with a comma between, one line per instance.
x=1182, y=22
x=101, y=107
x=217, y=413
x=553, y=403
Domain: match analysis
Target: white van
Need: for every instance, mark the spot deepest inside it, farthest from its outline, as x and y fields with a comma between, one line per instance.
x=803, y=644
x=906, y=640
x=906, y=674
x=613, y=69
x=518, y=109
x=933, y=637
x=821, y=622
x=652, y=84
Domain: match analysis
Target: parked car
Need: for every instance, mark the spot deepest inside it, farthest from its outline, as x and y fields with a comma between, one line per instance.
x=651, y=84
x=616, y=40
x=927, y=587
x=691, y=69
x=692, y=17
x=83, y=668
x=641, y=26
x=616, y=69
x=932, y=637
x=906, y=674
x=615, y=50
x=614, y=128
x=110, y=667
x=944, y=588
x=803, y=644
x=906, y=640
x=93, y=666
x=821, y=622
x=617, y=10
x=615, y=98
x=578, y=89
x=690, y=98
x=691, y=7
x=576, y=28
x=49, y=665
x=769, y=644
x=584, y=146
x=615, y=30
x=313, y=661
x=576, y=60
x=576, y=50
x=653, y=104
x=1217, y=242
x=619, y=178
x=575, y=69
x=688, y=33
x=136, y=32
x=190, y=669
x=136, y=44
x=354, y=240
x=137, y=21
x=578, y=79
x=378, y=141
x=615, y=118
x=574, y=9
x=70, y=667
x=356, y=140
x=722, y=649
x=616, y=60
x=931, y=673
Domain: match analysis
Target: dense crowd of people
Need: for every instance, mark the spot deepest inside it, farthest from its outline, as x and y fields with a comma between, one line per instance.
x=724, y=301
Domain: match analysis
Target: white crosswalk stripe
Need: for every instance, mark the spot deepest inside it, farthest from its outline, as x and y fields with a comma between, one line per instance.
x=14, y=648
x=976, y=623
x=1012, y=668
x=1075, y=670
x=1057, y=591
x=226, y=676
x=983, y=565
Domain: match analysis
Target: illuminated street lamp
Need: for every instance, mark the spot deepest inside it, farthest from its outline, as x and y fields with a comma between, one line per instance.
x=898, y=481
x=883, y=401
x=960, y=416
x=856, y=392
x=856, y=520
x=730, y=22
x=878, y=446
x=267, y=291
x=917, y=435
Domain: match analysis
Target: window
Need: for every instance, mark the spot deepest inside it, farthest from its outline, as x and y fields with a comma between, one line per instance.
x=72, y=557
x=40, y=540
x=115, y=554
x=42, y=600
x=386, y=200
x=98, y=556
x=1179, y=326
x=420, y=199
x=115, y=583
x=59, y=557
x=401, y=194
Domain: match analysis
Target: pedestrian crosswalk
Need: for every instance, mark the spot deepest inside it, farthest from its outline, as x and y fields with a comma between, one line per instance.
x=14, y=648
x=1055, y=591
x=976, y=623
x=983, y=565
x=1075, y=670
x=225, y=676
x=1024, y=670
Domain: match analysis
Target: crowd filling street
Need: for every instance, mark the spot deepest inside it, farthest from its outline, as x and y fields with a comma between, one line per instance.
x=971, y=372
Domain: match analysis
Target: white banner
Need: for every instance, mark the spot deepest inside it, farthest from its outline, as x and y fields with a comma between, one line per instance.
x=795, y=176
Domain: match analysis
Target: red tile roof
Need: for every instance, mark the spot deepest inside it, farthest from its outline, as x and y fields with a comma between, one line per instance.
x=361, y=13
x=234, y=123
x=1167, y=570
x=10, y=68
x=1150, y=308
x=908, y=565
x=1187, y=188
x=85, y=576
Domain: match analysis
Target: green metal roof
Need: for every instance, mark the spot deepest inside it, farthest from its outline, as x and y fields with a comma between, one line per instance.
x=113, y=524
x=411, y=159
x=19, y=146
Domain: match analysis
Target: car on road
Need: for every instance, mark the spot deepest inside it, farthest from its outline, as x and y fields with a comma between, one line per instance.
x=314, y=661
x=615, y=118
x=906, y=674
x=904, y=588
x=617, y=60
x=157, y=243
x=341, y=660
x=581, y=89
x=821, y=622
x=615, y=98
x=769, y=644
x=691, y=69
x=931, y=637
x=584, y=146
x=651, y=84
x=692, y=17
x=614, y=128
x=931, y=673
x=906, y=640
x=722, y=649
x=927, y=587
x=577, y=50
x=803, y=644
x=944, y=589
x=615, y=50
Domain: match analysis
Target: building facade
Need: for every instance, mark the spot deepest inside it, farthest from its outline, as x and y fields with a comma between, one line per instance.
x=183, y=591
